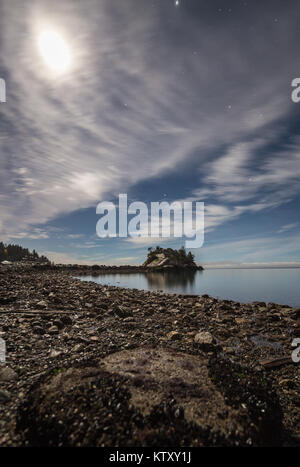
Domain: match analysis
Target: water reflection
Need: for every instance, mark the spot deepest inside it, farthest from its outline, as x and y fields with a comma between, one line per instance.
x=168, y=279
x=242, y=285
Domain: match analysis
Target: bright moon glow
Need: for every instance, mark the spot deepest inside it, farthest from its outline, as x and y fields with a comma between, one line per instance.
x=54, y=51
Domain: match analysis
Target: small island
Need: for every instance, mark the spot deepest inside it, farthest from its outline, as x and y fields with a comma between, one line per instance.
x=167, y=258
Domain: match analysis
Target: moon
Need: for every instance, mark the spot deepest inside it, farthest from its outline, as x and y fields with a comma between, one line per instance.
x=54, y=51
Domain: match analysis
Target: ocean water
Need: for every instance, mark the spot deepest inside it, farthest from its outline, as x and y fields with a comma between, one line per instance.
x=280, y=286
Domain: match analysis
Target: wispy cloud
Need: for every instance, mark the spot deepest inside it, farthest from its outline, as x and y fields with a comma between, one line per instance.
x=288, y=227
x=122, y=115
x=249, y=250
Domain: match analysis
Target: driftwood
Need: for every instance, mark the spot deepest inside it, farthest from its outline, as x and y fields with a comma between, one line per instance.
x=276, y=362
x=35, y=312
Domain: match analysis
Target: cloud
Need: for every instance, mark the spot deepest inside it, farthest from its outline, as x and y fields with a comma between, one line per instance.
x=236, y=265
x=121, y=115
x=287, y=227
x=65, y=258
x=34, y=234
x=252, y=250
x=146, y=241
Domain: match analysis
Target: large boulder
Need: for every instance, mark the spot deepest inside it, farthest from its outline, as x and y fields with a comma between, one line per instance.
x=151, y=397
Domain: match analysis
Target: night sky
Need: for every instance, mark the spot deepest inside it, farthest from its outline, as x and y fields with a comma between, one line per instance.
x=163, y=100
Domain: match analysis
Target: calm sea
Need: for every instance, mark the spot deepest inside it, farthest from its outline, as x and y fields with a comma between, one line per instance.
x=243, y=285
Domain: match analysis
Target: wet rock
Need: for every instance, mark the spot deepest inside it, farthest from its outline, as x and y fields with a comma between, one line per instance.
x=7, y=374
x=94, y=339
x=203, y=338
x=58, y=323
x=4, y=396
x=38, y=330
x=67, y=320
x=239, y=320
x=173, y=336
x=148, y=396
x=296, y=331
x=296, y=314
x=42, y=305
x=122, y=311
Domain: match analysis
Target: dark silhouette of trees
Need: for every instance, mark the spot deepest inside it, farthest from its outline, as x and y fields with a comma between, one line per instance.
x=10, y=252
x=178, y=256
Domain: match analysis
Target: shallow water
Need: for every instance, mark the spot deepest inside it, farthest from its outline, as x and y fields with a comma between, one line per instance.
x=243, y=285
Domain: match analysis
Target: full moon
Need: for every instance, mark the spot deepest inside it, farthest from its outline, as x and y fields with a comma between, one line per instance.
x=54, y=51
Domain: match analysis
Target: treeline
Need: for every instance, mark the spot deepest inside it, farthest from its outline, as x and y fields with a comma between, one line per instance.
x=12, y=252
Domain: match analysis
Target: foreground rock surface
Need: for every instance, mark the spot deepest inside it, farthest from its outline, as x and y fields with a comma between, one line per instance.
x=150, y=396
x=100, y=365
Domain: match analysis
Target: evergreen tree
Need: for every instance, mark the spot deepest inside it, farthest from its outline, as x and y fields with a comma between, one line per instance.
x=13, y=252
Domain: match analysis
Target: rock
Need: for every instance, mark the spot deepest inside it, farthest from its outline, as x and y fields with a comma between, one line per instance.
x=239, y=320
x=53, y=330
x=150, y=396
x=67, y=320
x=78, y=348
x=94, y=339
x=38, y=330
x=7, y=374
x=122, y=311
x=42, y=305
x=4, y=396
x=58, y=323
x=203, y=337
x=173, y=336
x=296, y=331
x=55, y=353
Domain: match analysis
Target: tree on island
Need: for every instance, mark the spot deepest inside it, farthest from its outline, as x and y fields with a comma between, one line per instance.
x=168, y=256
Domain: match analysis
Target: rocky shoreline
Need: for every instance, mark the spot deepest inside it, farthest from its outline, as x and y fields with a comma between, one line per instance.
x=93, y=365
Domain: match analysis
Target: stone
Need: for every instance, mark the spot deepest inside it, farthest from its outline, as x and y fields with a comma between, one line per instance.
x=42, y=305
x=7, y=374
x=94, y=338
x=150, y=396
x=53, y=330
x=4, y=396
x=58, y=323
x=38, y=330
x=296, y=313
x=239, y=320
x=122, y=311
x=203, y=337
x=173, y=336
x=78, y=348
x=67, y=320
x=296, y=331
x=55, y=353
